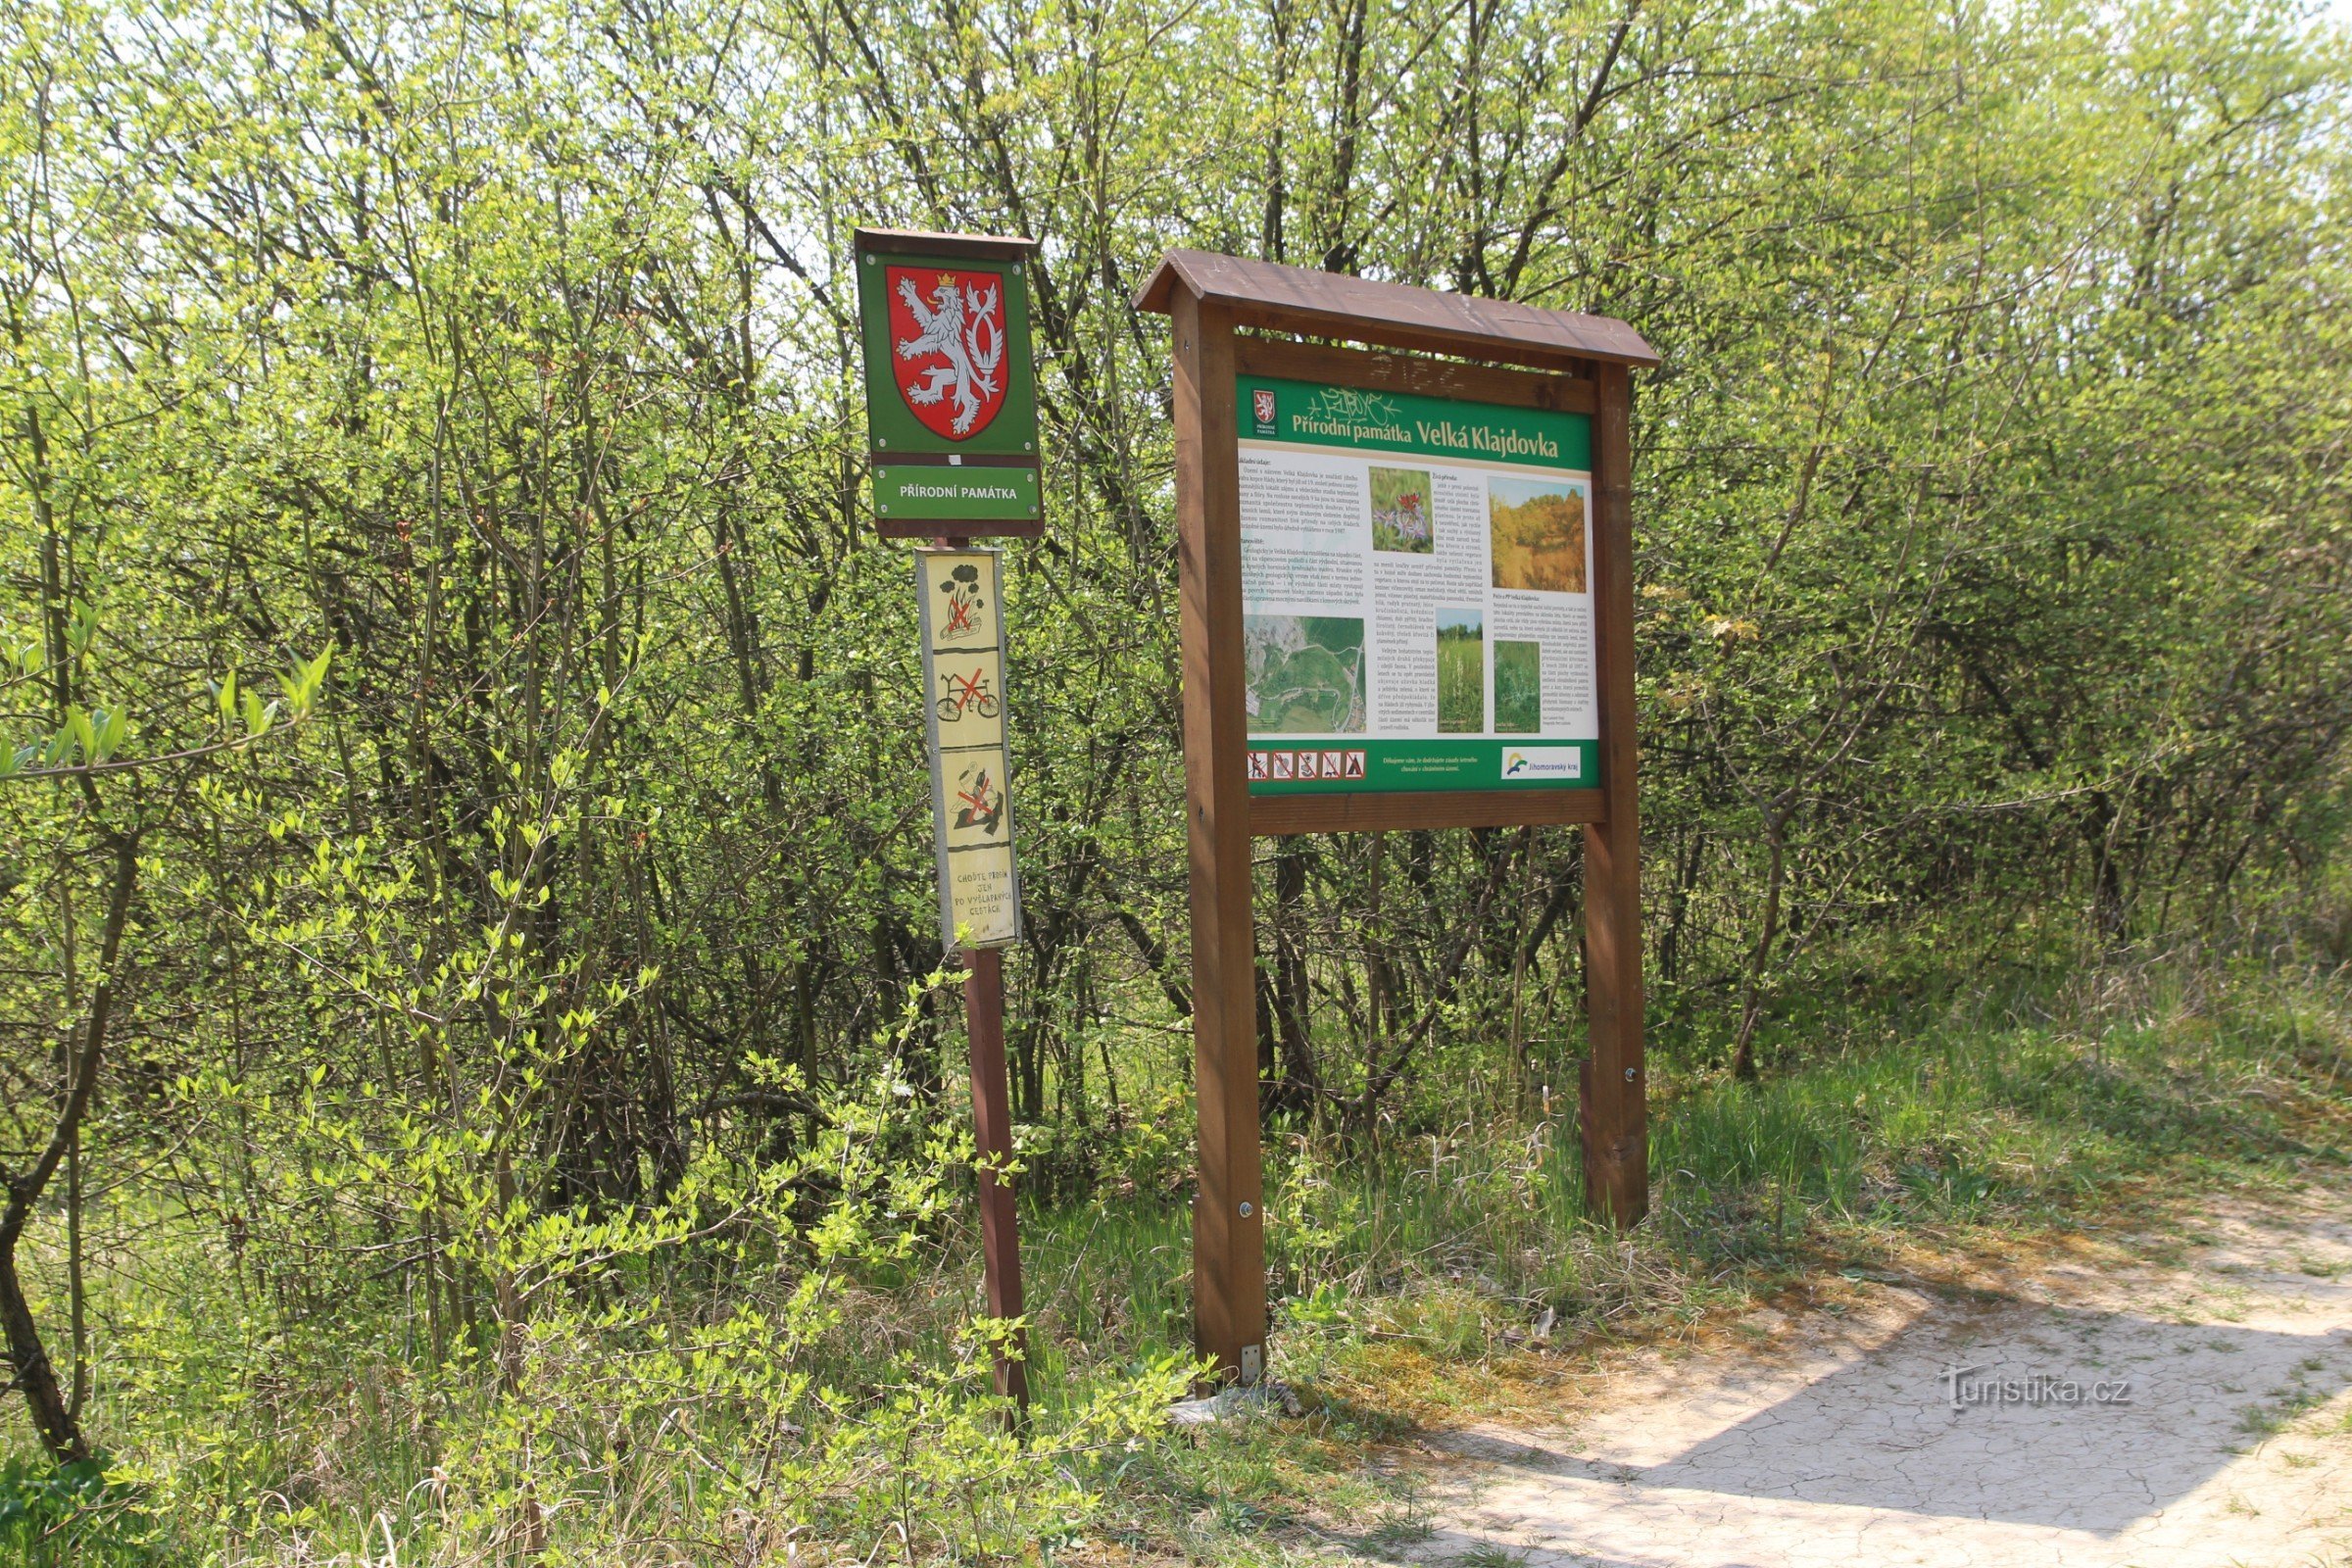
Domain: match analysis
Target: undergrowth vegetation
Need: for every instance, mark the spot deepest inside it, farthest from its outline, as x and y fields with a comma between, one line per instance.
x=758, y=1411
x=1456, y=1272
x=480, y=1075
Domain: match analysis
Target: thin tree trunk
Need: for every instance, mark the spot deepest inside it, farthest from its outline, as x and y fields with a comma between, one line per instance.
x=54, y=1417
x=1301, y=1082
x=1521, y=1077
x=1752, y=983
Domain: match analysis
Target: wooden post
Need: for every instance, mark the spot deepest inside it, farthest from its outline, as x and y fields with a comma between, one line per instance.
x=1612, y=1114
x=1229, y=1257
x=992, y=1118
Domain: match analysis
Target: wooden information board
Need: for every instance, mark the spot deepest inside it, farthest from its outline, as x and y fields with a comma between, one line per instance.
x=1350, y=523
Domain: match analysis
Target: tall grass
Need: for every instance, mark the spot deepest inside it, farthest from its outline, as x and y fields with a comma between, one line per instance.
x=1461, y=681
x=1451, y=1243
x=2011, y=1113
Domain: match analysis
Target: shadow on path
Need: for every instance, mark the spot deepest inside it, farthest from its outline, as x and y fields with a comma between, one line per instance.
x=2082, y=1420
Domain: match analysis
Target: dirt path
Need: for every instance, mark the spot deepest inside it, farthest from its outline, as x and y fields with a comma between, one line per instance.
x=1835, y=1440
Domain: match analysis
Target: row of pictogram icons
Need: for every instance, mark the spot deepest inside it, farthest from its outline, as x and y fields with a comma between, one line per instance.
x=1264, y=766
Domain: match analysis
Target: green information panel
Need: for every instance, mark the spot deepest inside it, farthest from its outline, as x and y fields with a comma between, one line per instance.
x=939, y=490
x=951, y=392
x=1416, y=593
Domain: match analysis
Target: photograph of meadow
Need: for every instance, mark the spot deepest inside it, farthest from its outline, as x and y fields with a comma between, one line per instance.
x=1401, y=523
x=1537, y=532
x=1461, y=672
x=1518, y=688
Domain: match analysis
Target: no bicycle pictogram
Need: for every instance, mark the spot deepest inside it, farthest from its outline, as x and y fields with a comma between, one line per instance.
x=966, y=694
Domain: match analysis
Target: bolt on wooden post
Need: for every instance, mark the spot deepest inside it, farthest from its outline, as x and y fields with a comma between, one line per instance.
x=1348, y=520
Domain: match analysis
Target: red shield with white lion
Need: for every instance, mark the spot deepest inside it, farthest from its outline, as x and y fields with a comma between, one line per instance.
x=947, y=339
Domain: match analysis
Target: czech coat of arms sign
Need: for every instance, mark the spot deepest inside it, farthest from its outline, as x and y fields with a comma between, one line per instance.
x=948, y=333
x=950, y=384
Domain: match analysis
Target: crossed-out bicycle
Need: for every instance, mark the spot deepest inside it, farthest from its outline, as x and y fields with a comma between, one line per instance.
x=967, y=693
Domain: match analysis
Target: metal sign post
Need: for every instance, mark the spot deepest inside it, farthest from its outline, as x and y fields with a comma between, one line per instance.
x=952, y=413
x=961, y=594
x=1406, y=592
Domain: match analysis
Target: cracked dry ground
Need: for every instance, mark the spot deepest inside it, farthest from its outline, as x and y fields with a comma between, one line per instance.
x=1831, y=1440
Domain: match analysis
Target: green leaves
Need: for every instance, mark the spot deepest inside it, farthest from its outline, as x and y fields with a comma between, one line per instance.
x=242, y=708
x=301, y=684
x=90, y=739
x=87, y=738
x=574, y=951
x=81, y=628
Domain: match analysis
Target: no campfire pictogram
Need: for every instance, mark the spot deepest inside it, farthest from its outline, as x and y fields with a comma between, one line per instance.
x=965, y=602
x=946, y=331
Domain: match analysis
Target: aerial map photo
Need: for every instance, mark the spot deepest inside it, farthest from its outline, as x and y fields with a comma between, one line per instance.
x=1306, y=674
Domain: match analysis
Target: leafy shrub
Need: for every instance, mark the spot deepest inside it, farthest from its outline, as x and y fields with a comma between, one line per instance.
x=69, y=1514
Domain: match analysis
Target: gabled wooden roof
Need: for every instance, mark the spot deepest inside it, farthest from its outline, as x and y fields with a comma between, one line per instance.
x=1300, y=299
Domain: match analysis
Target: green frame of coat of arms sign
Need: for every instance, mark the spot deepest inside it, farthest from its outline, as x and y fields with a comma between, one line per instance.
x=950, y=384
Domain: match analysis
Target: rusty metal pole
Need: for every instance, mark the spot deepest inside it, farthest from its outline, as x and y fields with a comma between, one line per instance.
x=992, y=1141
x=992, y=1118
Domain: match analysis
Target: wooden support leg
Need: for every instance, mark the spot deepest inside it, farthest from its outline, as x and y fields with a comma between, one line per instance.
x=1229, y=1257
x=1612, y=1114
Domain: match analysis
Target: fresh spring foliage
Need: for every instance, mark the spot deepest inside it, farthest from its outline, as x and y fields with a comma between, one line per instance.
x=476, y=1074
